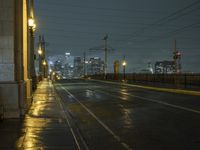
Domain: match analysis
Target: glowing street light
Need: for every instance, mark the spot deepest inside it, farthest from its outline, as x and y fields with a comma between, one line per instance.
x=31, y=24
x=40, y=51
x=124, y=63
x=44, y=63
x=124, y=68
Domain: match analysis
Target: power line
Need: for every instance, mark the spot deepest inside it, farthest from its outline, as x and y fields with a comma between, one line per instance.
x=67, y=19
x=89, y=32
x=83, y=14
x=172, y=33
x=168, y=18
x=149, y=24
x=99, y=8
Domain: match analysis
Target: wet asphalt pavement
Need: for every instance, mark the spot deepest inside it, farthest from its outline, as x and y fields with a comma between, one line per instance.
x=45, y=126
x=91, y=115
x=116, y=117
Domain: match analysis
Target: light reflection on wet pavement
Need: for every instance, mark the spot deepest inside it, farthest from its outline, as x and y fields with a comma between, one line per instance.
x=44, y=126
x=137, y=121
x=105, y=116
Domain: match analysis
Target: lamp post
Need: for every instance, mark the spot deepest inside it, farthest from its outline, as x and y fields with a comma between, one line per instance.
x=42, y=58
x=31, y=24
x=124, y=68
x=44, y=63
x=40, y=53
x=32, y=27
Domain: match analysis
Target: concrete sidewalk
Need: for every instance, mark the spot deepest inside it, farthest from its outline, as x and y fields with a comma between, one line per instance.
x=44, y=127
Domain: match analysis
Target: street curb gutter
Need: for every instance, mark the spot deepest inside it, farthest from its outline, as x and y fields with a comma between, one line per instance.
x=177, y=91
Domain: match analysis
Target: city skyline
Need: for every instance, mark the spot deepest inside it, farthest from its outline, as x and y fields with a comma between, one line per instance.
x=143, y=31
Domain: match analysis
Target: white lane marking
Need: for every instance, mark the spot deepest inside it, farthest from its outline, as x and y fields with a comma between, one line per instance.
x=66, y=118
x=167, y=104
x=154, y=101
x=126, y=146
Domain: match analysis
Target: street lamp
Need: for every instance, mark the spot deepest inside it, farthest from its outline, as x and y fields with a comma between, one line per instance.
x=31, y=24
x=40, y=51
x=124, y=69
x=32, y=27
x=44, y=63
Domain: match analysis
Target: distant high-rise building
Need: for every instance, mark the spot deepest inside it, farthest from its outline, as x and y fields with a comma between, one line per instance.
x=62, y=64
x=78, y=67
x=95, y=66
x=69, y=59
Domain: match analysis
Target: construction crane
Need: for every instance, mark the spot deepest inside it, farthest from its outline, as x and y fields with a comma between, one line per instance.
x=104, y=48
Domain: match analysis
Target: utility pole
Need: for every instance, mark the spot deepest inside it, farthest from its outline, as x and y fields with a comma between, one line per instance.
x=106, y=55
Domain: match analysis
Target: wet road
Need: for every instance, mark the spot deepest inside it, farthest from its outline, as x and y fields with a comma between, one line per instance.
x=110, y=116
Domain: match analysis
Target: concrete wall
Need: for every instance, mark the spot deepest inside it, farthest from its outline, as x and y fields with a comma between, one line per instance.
x=6, y=40
x=12, y=86
x=8, y=96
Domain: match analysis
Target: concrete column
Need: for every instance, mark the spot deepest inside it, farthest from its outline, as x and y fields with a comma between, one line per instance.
x=12, y=86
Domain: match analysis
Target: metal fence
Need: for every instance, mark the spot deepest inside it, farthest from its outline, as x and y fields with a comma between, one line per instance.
x=176, y=79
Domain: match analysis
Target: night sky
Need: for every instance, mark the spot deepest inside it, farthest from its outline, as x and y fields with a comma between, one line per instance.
x=142, y=30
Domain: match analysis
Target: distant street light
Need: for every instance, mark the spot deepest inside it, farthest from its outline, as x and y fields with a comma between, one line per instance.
x=124, y=68
x=40, y=51
x=44, y=63
x=124, y=63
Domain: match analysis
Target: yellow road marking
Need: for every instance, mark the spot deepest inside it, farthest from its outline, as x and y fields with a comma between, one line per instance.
x=179, y=91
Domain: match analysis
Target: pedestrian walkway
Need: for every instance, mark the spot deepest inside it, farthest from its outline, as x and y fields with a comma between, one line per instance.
x=9, y=133
x=45, y=126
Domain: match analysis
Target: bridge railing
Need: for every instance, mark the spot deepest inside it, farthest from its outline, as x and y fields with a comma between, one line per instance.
x=174, y=79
